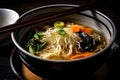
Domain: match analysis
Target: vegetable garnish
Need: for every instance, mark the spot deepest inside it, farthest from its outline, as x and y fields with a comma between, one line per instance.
x=31, y=49
x=59, y=24
x=62, y=32
x=88, y=30
x=88, y=43
x=36, y=36
x=36, y=46
x=79, y=28
x=77, y=56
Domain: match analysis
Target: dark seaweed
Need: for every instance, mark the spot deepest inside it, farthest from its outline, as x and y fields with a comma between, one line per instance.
x=88, y=43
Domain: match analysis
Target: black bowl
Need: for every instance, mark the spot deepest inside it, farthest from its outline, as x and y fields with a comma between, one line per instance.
x=23, y=73
x=19, y=69
x=69, y=69
x=16, y=64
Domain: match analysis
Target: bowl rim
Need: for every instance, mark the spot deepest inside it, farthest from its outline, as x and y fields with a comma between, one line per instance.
x=12, y=56
x=65, y=5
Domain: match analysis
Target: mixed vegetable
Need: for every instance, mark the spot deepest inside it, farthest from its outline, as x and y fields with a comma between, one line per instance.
x=87, y=45
x=34, y=45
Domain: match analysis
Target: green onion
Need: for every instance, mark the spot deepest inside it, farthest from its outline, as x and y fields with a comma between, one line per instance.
x=61, y=32
x=59, y=24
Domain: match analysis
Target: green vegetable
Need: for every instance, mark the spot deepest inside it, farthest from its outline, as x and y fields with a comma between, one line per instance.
x=59, y=24
x=36, y=36
x=61, y=32
x=31, y=50
x=34, y=45
x=43, y=45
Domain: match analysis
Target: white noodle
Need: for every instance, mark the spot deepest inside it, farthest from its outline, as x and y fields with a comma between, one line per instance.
x=58, y=45
x=62, y=46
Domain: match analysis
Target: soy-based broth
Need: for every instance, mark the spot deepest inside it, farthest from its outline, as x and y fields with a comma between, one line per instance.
x=64, y=41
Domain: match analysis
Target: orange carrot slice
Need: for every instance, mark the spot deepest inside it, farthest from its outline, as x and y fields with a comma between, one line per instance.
x=77, y=56
x=77, y=28
x=88, y=30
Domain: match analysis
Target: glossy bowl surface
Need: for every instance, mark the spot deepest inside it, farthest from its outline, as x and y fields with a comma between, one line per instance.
x=80, y=68
x=23, y=73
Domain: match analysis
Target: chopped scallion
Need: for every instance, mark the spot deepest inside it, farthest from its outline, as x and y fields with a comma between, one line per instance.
x=62, y=32
x=59, y=24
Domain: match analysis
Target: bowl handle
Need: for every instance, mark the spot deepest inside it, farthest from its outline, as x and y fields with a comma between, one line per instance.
x=115, y=48
x=114, y=53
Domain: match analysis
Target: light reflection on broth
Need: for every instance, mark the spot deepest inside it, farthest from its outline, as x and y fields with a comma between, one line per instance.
x=64, y=41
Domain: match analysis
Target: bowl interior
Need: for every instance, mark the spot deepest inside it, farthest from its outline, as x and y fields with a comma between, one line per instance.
x=94, y=19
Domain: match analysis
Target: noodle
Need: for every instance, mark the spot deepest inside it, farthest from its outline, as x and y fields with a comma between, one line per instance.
x=65, y=44
x=59, y=45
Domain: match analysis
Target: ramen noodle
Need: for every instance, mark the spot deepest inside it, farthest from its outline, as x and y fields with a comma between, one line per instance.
x=64, y=41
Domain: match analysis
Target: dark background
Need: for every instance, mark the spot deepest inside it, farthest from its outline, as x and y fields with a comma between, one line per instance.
x=108, y=7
